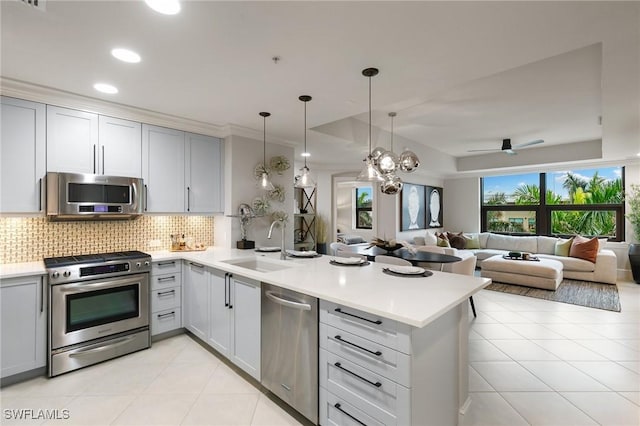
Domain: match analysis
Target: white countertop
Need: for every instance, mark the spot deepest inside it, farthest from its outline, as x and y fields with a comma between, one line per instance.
x=410, y=300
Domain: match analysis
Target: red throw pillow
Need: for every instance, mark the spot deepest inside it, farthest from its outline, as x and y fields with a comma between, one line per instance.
x=584, y=248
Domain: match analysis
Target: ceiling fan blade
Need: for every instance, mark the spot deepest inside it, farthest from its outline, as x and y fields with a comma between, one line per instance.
x=536, y=142
x=482, y=150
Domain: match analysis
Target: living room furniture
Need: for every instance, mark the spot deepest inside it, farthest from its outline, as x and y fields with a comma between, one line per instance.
x=544, y=273
x=414, y=258
x=391, y=260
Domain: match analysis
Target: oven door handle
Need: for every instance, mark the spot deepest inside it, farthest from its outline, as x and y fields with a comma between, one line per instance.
x=83, y=287
x=101, y=347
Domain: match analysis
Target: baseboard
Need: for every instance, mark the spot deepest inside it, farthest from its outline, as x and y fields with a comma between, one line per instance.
x=624, y=275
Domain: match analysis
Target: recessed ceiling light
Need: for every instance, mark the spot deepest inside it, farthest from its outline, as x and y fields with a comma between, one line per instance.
x=105, y=88
x=126, y=55
x=306, y=154
x=166, y=7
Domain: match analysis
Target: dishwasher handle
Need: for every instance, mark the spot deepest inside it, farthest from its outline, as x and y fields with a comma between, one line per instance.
x=297, y=305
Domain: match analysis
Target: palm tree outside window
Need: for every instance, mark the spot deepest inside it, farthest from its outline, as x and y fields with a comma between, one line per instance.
x=364, y=207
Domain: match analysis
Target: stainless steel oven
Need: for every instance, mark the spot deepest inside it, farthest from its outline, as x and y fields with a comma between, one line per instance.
x=99, y=308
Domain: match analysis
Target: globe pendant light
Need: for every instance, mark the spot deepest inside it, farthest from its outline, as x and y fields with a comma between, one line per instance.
x=389, y=161
x=305, y=180
x=265, y=182
x=369, y=173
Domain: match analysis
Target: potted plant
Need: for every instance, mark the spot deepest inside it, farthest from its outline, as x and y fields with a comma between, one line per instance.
x=321, y=235
x=633, y=197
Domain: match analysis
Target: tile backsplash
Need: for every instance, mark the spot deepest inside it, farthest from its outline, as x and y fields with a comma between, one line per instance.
x=28, y=239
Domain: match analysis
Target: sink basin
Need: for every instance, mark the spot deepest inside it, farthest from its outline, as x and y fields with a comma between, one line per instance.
x=259, y=264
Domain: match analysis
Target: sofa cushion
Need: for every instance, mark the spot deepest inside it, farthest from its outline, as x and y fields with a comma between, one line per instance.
x=353, y=239
x=483, y=237
x=430, y=239
x=584, y=248
x=419, y=241
x=571, y=263
x=483, y=254
x=563, y=247
x=473, y=241
x=513, y=243
x=546, y=245
x=457, y=240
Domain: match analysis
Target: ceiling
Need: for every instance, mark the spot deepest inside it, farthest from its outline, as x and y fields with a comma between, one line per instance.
x=461, y=75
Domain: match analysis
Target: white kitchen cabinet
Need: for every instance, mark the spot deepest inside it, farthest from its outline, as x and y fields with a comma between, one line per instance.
x=163, y=169
x=72, y=140
x=83, y=142
x=234, y=330
x=196, y=299
x=120, y=150
x=22, y=156
x=203, y=174
x=166, y=296
x=23, y=324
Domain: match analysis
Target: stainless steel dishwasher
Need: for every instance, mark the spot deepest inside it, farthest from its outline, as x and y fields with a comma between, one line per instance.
x=290, y=348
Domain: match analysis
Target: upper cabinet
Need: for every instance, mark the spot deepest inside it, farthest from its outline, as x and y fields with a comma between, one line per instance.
x=203, y=174
x=83, y=142
x=22, y=156
x=163, y=169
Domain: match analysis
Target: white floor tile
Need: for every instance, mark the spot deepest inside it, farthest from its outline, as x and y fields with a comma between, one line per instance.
x=617, y=331
x=223, y=410
x=607, y=408
x=535, y=331
x=474, y=336
x=509, y=376
x=630, y=343
x=547, y=408
x=632, y=396
x=523, y=350
x=125, y=379
x=181, y=379
x=569, y=350
x=573, y=331
x=225, y=381
x=611, y=349
x=631, y=365
x=506, y=317
x=483, y=350
x=562, y=376
x=495, y=331
x=268, y=413
x=477, y=383
x=156, y=410
x=194, y=353
x=542, y=317
x=490, y=409
x=612, y=375
x=94, y=410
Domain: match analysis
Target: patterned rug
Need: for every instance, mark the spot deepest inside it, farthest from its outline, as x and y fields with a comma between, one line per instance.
x=575, y=292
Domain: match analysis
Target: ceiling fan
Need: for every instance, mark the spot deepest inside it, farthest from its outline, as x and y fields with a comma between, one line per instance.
x=507, y=148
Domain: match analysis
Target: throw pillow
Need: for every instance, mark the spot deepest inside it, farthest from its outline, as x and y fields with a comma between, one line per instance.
x=419, y=241
x=458, y=242
x=473, y=241
x=563, y=247
x=430, y=239
x=443, y=240
x=584, y=248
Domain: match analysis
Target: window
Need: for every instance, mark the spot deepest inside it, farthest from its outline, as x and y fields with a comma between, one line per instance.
x=587, y=202
x=364, y=204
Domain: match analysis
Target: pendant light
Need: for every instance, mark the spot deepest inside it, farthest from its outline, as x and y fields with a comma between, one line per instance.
x=370, y=173
x=305, y=180
x=389, y=161
x=265, y=182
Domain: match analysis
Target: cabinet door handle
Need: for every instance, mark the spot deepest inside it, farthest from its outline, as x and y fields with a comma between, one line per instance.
x=172, y=262
x=172, y=278
x=338, y=407
x=164, y=293
x=41, y=295
x=102, y=159
x=376, y=384
x=197, y=265
x=226, y=276
x=188, y=198
x=168, y=314
x=94, y=159
x=230, y=305
x=339, y=338
x=40, y=195
x=340, y=311
x=146, y=196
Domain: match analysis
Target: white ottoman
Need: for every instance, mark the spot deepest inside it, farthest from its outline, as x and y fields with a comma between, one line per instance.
x=545, y=273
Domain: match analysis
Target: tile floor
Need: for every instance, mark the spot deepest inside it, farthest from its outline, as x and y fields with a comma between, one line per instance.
x=532, y=362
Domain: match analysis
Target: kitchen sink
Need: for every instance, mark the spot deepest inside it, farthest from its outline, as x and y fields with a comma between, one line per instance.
x=259, y=264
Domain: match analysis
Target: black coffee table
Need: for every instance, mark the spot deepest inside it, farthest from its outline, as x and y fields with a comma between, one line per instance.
x=403, y=253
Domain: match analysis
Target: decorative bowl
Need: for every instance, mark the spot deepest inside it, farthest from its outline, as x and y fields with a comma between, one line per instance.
x=515, y=254
x=389, y=248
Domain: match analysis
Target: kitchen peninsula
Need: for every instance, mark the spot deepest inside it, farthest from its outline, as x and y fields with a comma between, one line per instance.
x=419, y=327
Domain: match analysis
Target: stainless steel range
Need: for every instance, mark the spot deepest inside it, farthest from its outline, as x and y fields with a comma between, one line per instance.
x=98, y=308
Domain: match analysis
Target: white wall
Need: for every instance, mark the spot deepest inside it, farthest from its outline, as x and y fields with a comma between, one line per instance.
x=462, y=204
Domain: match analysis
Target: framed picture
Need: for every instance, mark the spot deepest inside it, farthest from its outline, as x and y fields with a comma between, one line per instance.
x=434, y=208
x=412, y=208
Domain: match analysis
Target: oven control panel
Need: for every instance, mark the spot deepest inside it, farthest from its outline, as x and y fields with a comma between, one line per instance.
x=89, y=271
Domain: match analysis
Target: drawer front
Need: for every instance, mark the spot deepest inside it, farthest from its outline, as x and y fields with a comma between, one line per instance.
x=371, y=393
x=166, y=267
x=166, y=280
x=373, y=356
x=335, y=411
x=381, y=330
x=164, y=321
x=165, y=298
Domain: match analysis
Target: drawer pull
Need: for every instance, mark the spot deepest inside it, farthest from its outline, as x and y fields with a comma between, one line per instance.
x=171, y=278
x=376, y=353
x=340, y=311
x=165, y=293
x=376, y=384
x=338, y=407
x=196, y=265
x=168, y=314
x=172, y=262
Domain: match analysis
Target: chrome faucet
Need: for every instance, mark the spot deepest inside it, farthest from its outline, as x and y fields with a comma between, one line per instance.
x=282, y=253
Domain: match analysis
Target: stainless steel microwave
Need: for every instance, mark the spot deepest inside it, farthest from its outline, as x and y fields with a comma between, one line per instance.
x=76, y=196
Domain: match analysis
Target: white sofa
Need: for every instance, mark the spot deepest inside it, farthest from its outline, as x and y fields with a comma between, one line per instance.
x=604, y=270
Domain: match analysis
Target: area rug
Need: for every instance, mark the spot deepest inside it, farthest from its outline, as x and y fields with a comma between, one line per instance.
x=575, y=292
